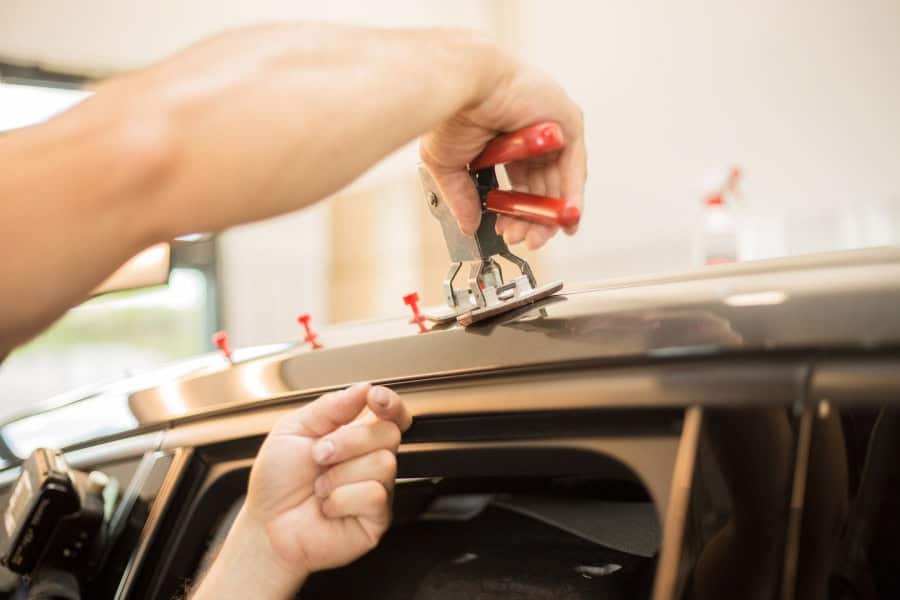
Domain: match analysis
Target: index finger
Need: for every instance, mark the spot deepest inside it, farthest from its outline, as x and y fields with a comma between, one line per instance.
x=387, y=405
x=326, y=413
x=573, y=172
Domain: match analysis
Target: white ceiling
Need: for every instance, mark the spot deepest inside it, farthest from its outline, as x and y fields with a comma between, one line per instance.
x=102, y=36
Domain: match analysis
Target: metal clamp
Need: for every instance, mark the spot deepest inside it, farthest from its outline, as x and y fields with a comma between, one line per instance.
x=486, y=294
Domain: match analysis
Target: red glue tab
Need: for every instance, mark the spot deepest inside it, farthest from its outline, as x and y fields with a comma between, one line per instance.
x=220, y=339
x=525, y=143
x=311, y=338
x=412, y=300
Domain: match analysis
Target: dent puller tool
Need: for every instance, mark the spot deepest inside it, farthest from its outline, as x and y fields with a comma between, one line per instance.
x=486, y=294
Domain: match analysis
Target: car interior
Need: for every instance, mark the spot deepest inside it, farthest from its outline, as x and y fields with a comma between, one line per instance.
x=582, y=503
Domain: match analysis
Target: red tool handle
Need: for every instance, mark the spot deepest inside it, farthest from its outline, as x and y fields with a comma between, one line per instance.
x=532, y=208
x=524, y=143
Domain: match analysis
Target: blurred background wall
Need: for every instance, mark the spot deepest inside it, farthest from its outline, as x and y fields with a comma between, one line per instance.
x=804, y=96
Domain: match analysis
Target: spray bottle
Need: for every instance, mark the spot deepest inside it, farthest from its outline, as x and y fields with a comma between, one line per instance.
x=716, y=237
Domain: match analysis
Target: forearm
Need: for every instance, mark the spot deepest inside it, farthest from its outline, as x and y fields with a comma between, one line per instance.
x=246, y=567
x=73, y=207
x=242, y=127
x=337, y=100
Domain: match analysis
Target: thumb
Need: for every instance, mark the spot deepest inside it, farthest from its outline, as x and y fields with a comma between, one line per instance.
x=456, y=188
x=459, y=193
x=325, y=414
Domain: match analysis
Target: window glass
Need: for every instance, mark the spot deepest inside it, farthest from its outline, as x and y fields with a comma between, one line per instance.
x=107, y=338
x=27, y=104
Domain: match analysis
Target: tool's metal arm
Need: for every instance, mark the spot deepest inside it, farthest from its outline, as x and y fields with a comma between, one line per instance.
x=486, y=293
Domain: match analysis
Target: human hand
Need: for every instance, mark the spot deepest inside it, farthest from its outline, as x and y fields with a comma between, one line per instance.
x=322, y=481
x=255, y=123
x=522, y=98
x=319, y=493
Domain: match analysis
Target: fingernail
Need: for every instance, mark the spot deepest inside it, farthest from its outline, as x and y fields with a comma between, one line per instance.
x=357, y=387
x=380, y=396
x=322, y=451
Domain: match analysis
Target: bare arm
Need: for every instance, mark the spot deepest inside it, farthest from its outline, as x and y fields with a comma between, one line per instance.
x=307, y=510
x=245, y=126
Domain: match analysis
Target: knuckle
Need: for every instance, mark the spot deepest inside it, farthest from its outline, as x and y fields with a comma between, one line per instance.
x=376, y=493
x=374, y=536
x=426, y=152
x=576, y=114
x=325, y=482
x=387, y=432
x=373, y=540
x=329, y=507
x=393, y=436
x=386, y=463
x=325, y=398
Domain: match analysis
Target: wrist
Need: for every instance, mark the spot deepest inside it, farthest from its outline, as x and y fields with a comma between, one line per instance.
x=486, y=66
x=247, y=566
x=465, y=64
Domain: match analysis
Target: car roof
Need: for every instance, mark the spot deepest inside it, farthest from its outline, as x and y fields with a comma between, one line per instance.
x=846, y=301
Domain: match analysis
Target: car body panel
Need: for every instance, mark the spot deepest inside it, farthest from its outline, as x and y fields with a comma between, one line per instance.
x=843, y=302
x=736, y=366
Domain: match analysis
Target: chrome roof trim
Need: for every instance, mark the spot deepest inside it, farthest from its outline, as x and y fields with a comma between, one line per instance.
x=820, y=260
x=761, y=383
x=840, y=303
